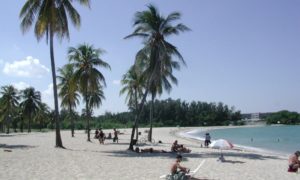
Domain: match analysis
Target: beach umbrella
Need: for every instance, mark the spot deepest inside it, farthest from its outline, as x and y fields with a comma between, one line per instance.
x=221, y=144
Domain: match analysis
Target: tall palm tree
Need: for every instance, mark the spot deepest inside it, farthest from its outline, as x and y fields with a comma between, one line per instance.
x=8, y=104
x=86, y=59
x=154, y=28
x=68, y=91
x=132, y=83
x=42, y=114
x=31, y=101
x=51, y=18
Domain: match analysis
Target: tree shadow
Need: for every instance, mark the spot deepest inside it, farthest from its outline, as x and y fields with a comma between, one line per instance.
x=233, y=162
x=19, y=146
x=171, y=155
x=253, y=156
x=7, y=135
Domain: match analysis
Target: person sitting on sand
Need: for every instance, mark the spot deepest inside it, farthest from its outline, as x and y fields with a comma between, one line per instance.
x=109, y=136
x=96, y=134
x=149, y=150
x=179, y=148
x=101, y=137
x=179, y=172
x=294, y=163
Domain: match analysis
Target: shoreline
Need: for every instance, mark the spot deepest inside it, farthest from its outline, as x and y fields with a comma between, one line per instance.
x=183, y=133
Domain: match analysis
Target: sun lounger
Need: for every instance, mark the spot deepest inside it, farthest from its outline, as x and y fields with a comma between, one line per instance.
x=191, y=173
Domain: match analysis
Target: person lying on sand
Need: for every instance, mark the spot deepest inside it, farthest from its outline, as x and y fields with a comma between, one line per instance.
x=179, y=148
x=149, y=150
x=294, y=163
x=179, y=172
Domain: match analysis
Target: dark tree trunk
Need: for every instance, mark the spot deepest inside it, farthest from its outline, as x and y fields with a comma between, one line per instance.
x=137, y=117
x=58, y=141
x=22, y=124
x=151, y=119
x=7, y=126
x=1, y=127
x=29, y=123
x=87, y=117
x=136, y=111
x=41, y=125
x=71, y=119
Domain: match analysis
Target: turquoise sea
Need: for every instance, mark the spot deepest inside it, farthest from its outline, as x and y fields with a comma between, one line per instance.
x=279, y=139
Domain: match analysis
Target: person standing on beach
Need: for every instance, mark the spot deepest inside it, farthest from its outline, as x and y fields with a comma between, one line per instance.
x=294, y=163
x=115, y=139
x=207, y=140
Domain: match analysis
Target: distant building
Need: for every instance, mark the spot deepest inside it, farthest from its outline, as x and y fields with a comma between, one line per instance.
x=254, y=117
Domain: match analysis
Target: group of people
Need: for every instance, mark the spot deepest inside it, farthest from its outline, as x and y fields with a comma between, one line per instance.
x=99, y=134
x=179, y=148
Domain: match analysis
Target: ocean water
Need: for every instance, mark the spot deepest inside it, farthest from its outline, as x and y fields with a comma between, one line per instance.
x=279, y=139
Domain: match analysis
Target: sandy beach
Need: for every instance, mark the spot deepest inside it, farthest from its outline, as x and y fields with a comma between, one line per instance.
x=33, y=156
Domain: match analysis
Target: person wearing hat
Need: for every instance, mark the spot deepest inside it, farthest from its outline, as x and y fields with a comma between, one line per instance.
x=294, y=163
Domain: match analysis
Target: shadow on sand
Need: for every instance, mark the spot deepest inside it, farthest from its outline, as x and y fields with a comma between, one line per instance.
x=241, y=155
x=18, y=146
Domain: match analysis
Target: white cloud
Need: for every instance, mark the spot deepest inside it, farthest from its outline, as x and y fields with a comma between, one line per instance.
x=21, y=85
x=116, y=82
x=47, y=96
x=28, y=67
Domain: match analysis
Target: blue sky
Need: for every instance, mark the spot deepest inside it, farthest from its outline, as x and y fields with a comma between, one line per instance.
x=243, y=53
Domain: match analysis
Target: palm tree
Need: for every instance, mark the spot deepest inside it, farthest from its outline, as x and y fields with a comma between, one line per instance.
x=154, y=28
x=85, y=59
x=30, y=104
x=68, y=91
x=51, y=19
x=8, y=104
x=42, y=114
x=132, y=83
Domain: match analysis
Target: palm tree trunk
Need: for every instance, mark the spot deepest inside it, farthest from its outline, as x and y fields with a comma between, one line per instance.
x=58, y=141
x=72, y=120
x=7, y=125
x=137, y=117
x=136, y=111
x=41, y=125
x=87, y=115
x=151, y=119
x=29, y=123
x=22, y=124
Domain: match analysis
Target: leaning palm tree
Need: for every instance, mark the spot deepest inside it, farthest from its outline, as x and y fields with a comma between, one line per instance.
x=68, y=91
x=31, y=101
x=8, y=104
x=51, y=18
x=154, y=28
x=132, y=83
x=86, y=59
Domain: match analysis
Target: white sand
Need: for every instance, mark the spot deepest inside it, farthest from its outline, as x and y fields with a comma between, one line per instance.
x=33, y=156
